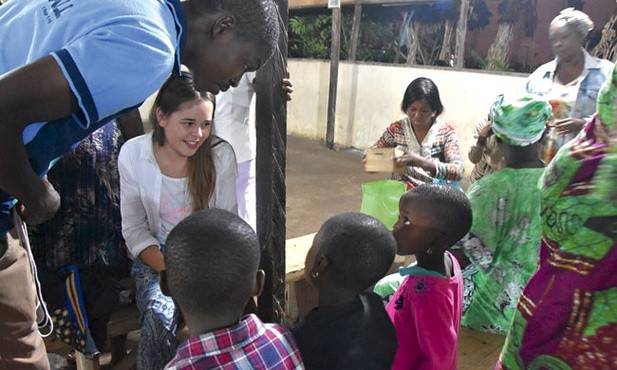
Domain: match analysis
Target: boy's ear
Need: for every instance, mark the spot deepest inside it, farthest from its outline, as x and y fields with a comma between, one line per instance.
x=222, y=25
x=260, y=278
x=320, y=265
x=163, y=283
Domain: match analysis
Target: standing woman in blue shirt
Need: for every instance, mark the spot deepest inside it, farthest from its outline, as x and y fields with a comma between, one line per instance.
x=572, y=80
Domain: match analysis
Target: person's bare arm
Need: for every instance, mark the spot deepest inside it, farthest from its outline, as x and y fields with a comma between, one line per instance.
x=130, y=124
x=33, y=93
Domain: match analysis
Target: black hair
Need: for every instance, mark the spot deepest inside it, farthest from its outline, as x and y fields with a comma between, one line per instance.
x=449, y=206
x=422, y=88
x=211, y=258
x=359, y=249
x=257, y=21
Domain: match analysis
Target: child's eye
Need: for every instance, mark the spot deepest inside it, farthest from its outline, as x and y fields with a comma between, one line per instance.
x=406, y=222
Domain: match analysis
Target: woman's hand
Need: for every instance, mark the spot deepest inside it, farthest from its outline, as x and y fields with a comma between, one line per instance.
x=568, y=125
x=484, y=133
x=288, y=86
x=408, y=159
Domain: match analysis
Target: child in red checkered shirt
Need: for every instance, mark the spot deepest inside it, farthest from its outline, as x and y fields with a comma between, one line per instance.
x=212, y=259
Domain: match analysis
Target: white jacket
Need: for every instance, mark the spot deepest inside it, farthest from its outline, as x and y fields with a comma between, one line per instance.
x=140, y=189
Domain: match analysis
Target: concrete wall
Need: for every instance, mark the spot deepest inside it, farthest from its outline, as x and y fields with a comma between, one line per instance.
x=369, y=98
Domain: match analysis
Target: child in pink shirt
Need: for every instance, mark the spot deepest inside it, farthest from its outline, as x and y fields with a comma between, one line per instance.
x=426, y=309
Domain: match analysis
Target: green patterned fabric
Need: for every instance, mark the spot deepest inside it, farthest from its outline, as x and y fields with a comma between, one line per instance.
x=566, y=317
x=519, y=121
x=502, y=246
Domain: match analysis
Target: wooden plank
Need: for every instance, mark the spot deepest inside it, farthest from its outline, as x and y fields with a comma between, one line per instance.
x=478, y=350
x=355, y=30
x=299, y=4
x=335, y=54
x=295, y=255
x=461, y=31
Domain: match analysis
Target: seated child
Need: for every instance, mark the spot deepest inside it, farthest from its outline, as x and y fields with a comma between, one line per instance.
x=349, y=329
x=212, y=261
x=426, y=309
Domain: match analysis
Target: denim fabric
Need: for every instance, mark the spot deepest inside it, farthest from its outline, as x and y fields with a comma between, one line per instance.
x=159, y=320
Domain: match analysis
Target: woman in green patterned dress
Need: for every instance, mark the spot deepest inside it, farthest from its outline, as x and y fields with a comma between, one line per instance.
x=501, y=251
x=566, y=316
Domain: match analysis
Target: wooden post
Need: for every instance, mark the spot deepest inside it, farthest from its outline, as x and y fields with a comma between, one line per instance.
x=355, y=30
x=461, y=32
x=335, y=54
x=271, y=127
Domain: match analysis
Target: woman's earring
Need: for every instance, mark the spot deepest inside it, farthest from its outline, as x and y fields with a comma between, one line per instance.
x=429, y=251
x=314, y=274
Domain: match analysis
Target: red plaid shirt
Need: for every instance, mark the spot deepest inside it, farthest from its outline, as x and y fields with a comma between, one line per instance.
x=249, y=345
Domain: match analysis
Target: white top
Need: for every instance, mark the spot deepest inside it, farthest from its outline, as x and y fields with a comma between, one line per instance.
x=234, y=120
x=141, y=183
x=176, y=204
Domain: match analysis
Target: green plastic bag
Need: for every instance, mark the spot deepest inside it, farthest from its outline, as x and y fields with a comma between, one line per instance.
x=380, y=200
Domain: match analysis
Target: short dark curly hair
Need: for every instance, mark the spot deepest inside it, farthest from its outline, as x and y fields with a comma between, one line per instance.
x=257, y=21
x=359, y=249
x=449, y=206
x=211, y=258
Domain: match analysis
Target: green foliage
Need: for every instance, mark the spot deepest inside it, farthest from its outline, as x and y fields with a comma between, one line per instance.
x=309, y=36
x=475, y=60
x=503, y=67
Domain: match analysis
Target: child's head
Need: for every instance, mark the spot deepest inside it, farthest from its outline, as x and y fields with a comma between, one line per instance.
x=352, y=251
x=211, y=260
x=431, y=219
x=182, y=120
x=227, y=38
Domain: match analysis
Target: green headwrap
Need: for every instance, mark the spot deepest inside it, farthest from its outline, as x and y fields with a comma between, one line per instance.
x=519, y=121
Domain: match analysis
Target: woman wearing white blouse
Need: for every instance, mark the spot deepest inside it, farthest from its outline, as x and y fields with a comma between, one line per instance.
x=178, y=168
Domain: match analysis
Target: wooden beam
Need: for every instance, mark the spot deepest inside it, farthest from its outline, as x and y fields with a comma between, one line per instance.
x=355, y=30
x=299, y=4
x=461, y=31
x=335, y=54
x=271, y=127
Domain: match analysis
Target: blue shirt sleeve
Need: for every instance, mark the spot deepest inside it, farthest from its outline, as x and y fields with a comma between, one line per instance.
x=117, y=67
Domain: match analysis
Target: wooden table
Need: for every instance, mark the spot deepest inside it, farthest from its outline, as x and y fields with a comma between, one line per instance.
x=300, y=296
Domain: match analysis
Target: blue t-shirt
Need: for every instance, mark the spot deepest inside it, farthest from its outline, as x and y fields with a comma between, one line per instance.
x=113, y=53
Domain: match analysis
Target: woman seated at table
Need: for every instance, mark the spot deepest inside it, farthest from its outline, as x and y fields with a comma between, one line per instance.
x=430, y=145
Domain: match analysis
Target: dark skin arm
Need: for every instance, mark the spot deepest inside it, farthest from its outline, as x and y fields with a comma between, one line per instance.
x=35, y=92
x=130, y=124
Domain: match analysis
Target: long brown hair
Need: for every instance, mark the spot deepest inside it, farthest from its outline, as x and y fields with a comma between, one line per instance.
x=179, y=89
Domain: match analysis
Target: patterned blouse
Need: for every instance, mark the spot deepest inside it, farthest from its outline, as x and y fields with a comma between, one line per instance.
x=440, y=144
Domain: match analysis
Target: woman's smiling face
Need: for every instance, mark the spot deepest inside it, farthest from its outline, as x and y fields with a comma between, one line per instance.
x=187, y=128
